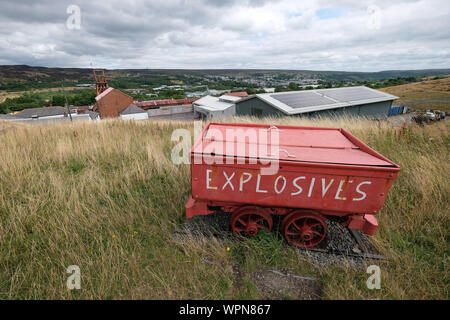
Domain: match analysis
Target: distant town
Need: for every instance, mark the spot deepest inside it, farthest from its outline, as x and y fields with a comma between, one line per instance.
x=39, y=93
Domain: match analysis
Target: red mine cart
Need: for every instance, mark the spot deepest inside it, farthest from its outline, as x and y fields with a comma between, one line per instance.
x=306, y=174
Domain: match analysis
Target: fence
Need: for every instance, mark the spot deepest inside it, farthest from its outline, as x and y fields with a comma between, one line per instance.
x=397, y=109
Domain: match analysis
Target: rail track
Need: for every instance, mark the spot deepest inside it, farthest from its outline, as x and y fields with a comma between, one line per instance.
x=205, y=229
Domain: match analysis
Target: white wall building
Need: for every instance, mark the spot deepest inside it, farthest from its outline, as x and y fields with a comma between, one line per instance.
x=133, y=112
x=210, y=107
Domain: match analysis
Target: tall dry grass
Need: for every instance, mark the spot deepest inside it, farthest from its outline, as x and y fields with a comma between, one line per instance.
x=106, y=197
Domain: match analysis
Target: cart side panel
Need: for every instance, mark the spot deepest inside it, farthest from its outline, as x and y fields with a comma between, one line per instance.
x=346, y=191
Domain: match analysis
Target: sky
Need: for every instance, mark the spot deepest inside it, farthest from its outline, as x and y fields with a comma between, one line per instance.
x=348, y=35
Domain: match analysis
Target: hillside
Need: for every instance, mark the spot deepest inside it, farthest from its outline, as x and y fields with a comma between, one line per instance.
x=23, y=77
x=430, y=94
x=106, y=197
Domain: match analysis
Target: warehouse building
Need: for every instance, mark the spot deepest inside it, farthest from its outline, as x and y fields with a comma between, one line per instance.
x=48, y=114
x=356, y=101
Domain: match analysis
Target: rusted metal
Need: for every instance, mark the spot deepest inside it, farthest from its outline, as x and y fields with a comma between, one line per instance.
x=101, y=83
x=362, y=246
x=304, y=228
x=248, y=220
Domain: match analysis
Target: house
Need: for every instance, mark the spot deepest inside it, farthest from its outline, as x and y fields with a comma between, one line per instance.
x=111, y=101
x=133, y=112
x=356, y=101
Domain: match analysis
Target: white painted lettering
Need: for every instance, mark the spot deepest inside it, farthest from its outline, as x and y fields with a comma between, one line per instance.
x=276, y=184
x=313, y=180
x=300, y=190
x=325, y=189
x=362, y=193
x=242, y=181
x=228, y=180
x=208, y=180
x=257, y=185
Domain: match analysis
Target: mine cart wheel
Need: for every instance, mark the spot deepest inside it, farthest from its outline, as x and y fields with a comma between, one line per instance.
x=247, y=221
x=304, y=229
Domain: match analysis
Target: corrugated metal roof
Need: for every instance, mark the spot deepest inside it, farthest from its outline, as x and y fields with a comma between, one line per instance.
x=237, y=94
x=6, y=117
x=210, y=103
x=296, y=102
x=132, y=109
x=165, y=102
x=93, y=115
x=230, y=99
x=42, y=112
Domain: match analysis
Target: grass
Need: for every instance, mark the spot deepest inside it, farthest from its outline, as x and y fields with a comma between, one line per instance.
x=106, y=197
x=429, y=94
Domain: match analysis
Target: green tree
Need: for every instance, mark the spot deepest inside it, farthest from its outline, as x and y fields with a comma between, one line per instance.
x=293, y=86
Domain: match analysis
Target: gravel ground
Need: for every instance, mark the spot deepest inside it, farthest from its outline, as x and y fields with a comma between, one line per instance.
x=283, y=284
x=339, y=239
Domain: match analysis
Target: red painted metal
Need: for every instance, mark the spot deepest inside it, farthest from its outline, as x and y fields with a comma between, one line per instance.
x=304, y=228
x=152, y=104
x=242, y=94
x=248, y=220
x=322, y=169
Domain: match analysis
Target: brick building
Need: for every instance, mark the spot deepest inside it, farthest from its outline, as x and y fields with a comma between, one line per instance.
x=111, y=101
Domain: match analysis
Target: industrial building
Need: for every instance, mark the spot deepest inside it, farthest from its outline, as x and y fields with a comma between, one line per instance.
x=356, y=101
x=44, y=113
x=47, y=114
x=210, y=107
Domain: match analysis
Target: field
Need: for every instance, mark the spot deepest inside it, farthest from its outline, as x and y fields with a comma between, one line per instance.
x=429, y=94
x=106, y=197
x=14, y=94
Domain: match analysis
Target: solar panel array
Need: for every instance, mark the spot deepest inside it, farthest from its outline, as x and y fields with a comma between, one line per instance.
x=352, y=94
x=302, y=99
x=305, y=99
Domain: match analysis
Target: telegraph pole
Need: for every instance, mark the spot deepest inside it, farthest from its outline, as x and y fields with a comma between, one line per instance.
x=67, y=104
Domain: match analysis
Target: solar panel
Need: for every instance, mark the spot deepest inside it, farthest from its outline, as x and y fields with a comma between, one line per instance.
x=352, y=94
x=302, y=99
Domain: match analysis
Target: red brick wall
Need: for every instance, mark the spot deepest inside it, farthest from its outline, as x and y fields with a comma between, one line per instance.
x=110, y=105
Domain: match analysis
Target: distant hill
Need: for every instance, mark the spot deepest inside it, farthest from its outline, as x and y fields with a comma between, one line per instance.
x=430, y=94
x=25, y=73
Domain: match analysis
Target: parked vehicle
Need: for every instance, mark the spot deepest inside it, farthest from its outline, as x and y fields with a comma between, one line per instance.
x=429, y=116
x=321, y=173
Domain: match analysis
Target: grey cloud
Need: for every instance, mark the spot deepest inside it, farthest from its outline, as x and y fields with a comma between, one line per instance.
x=226, y=34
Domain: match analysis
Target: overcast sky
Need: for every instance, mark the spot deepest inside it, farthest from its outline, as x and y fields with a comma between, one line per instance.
x=350, y=35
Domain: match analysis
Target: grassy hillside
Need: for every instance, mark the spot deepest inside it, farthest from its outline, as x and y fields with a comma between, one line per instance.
x=106, y=197
x=430, y=94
